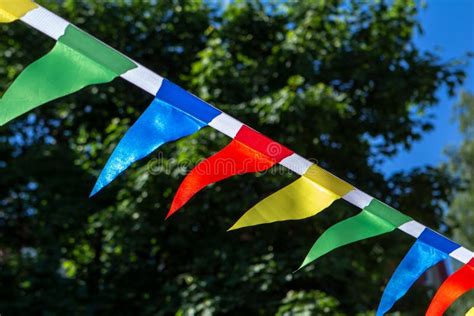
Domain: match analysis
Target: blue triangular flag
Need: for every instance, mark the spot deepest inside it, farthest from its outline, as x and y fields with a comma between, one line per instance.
x=428, y=250
x=159, y=124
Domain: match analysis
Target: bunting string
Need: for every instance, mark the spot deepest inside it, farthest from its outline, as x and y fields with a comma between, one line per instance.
x=78, y=60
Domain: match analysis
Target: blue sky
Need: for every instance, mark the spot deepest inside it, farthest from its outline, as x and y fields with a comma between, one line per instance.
x=449, y=29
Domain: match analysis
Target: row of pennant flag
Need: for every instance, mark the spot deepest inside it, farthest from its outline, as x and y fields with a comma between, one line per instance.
x=78, y=60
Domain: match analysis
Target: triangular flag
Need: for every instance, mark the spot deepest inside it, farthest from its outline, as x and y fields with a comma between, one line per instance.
x=302, y=198
x=174, y=113
x=248, y=152
x=159, y=124
x=76, y=61
x=429, y=249
x=376, y=219
x=456, y=285
x=12, y=10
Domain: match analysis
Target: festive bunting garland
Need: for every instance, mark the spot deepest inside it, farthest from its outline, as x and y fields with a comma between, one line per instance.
x=78, y=60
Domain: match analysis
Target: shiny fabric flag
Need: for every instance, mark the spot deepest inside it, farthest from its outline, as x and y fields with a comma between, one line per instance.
x=159, y=124
x=429, y=249
x=452, y=288
x=173, y=114
x=303, y=198
x=248, y=152
x=375, y=219
x=76, y=61
x=12, y=10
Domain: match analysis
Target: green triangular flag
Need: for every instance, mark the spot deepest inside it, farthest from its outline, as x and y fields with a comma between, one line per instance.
x=375, y=219
x=76, y=61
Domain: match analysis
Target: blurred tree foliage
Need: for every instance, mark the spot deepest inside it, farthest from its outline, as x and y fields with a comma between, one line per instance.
x=461, y=211
x=339, y=81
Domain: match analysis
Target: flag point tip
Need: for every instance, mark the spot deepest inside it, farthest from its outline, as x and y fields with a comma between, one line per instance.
x=170, y=212
x=94, y=191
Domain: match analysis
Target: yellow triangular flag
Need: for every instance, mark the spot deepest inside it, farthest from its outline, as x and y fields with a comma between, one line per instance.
x=302, y=198
x=11, y=10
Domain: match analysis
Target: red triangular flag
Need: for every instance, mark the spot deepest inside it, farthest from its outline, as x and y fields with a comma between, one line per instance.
x=248, y=152
x=456, y=285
